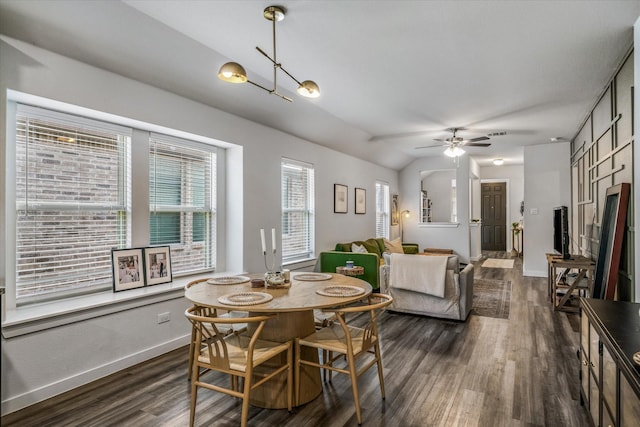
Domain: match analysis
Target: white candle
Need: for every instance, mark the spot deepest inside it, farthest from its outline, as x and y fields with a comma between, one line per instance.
x=264, y=246
x=273, y=239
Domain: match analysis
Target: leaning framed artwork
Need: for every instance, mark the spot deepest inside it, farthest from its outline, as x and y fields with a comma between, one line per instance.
x=157, y=265
x=361, y=201
x=340, y=198
x=127, y=269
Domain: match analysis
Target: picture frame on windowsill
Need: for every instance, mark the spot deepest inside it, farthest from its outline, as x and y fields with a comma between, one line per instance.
x=157, y=265
x=127, y=267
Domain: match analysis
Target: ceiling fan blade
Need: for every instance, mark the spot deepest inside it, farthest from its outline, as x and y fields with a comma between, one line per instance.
x=480, y=138
x=477, y=144
x=430, y=146
x=438, y=139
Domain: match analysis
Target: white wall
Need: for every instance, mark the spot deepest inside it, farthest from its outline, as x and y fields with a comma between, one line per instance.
x=42, y=364
x=435, y=235
x=513, y=175
x=547, y=184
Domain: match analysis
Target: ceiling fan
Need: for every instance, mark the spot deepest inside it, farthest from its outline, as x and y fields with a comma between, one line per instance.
x=454, y=143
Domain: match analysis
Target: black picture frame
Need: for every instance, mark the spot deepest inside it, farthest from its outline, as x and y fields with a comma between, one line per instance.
x=360, y=201
x=613, y=222
x=157, y=265
x=127, y=266
x=340, y=203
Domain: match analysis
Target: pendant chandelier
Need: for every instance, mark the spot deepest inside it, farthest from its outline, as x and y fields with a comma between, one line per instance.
x=233, y=72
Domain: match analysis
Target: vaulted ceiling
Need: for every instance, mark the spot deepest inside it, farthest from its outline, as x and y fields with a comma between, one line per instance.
x=394, y=75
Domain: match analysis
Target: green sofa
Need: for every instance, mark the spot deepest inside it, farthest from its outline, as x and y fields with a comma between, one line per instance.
x=329, y=260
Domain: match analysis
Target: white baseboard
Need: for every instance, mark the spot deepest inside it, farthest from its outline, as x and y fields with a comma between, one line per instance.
x=534, y=273
x=48, y=391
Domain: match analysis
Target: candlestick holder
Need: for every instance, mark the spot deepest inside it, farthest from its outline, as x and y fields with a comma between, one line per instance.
x=272, y=278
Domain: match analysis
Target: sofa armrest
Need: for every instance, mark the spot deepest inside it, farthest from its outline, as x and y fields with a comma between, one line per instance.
x=329, y=260
x=466, y=291
x=410, y=248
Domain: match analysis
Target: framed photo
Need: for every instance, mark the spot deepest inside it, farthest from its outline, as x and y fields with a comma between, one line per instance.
x=157, y=265
x=127, y=268
x=394, y=209
x=339, y=198
x=361, y=201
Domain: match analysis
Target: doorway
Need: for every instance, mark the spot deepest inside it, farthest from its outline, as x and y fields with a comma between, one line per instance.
x=494, y=214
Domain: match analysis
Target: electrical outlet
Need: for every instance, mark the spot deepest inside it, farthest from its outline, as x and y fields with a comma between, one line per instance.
x=164, y=317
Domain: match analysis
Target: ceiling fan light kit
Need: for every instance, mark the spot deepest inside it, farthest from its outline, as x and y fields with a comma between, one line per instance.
x=498, y=162
x=454, y=151
x=233, y=72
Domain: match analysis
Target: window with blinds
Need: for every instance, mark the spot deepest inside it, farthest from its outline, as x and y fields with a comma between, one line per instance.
x=297, y=210
x=72, y=202
x=182, y=201
x=382, y=210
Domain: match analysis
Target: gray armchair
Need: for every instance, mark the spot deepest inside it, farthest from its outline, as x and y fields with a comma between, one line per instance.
x=457, y=300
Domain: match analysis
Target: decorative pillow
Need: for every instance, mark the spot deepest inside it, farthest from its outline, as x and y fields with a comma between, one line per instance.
x=394, y=246
x=358, y=249
x=371, y=247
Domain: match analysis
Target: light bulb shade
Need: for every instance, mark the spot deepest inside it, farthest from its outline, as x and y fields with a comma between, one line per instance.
x=309, y=89
x=232, y=72
x=498, y=162
x=453, y=152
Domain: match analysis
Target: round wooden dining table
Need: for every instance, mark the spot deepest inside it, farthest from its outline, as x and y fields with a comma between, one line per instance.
x=293, y=309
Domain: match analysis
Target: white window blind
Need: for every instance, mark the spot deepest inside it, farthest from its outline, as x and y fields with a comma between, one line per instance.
x=182, y=201
x=72, y=202
x=297, y=210
x=382, y=210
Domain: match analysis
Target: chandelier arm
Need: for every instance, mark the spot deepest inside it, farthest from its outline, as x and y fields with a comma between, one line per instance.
x=260, y=86
x=277, y=65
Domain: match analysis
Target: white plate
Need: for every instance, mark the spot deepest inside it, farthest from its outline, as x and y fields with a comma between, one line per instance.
x=340, y=291
x=228, y=280
x=245, y=298
x=312, y=277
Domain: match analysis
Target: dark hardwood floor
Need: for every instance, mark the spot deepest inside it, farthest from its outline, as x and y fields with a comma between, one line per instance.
x=521, y=371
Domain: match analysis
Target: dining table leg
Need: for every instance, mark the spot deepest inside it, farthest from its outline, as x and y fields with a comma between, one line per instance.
x=284, y=327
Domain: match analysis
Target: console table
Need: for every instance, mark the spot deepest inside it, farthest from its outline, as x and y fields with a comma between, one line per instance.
x=609, y=378
x=559, y=278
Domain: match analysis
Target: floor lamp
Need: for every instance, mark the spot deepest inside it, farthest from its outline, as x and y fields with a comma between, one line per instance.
x=404, y=214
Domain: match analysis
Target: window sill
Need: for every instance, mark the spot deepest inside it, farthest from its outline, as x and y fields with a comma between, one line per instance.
x=39, y=317
x=300, y=263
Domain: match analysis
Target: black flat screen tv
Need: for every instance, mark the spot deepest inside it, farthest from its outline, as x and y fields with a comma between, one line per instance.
x=561, y=231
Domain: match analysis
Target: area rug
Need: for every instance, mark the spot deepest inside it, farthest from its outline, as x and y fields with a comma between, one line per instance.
x=498, y=263
x=491, y=298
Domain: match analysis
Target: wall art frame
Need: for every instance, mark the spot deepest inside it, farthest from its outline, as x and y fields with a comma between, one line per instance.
x=395, y=213
x=360, y=201
x=340, y=203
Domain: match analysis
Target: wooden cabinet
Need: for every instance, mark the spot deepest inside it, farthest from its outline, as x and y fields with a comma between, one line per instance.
x=610, y=380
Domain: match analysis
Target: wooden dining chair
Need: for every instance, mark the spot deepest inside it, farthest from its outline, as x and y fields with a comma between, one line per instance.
x=236, y=355
x=212, y=312
x=343, y=341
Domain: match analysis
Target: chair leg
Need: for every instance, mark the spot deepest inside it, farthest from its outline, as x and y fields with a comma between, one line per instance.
x=297, y=369
x=194, y=397
x=290, y=377
x=191, y=348
x=354, y=385
x=245, y=398
x=379, y=362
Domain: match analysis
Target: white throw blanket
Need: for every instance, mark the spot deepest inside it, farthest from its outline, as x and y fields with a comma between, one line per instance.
x=418, y=273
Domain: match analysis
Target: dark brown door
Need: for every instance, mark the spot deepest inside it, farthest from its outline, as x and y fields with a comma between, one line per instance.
x=494, y=214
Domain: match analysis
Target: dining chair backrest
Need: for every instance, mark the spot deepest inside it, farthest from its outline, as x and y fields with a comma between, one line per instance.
x=374, y=304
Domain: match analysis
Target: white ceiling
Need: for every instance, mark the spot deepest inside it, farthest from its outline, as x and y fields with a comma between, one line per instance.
x=393, y=74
